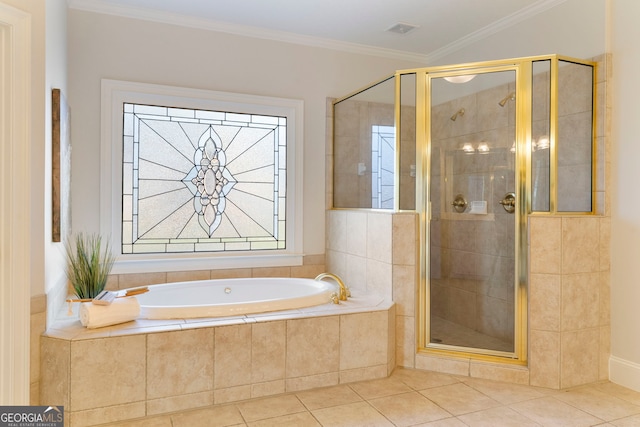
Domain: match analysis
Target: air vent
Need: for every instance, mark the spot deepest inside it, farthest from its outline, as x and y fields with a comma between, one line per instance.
x=402, y=28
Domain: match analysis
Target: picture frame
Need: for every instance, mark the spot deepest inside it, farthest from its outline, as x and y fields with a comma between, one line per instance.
x=60, y=167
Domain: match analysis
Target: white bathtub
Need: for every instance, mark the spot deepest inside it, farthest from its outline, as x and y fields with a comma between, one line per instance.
x=231, y=297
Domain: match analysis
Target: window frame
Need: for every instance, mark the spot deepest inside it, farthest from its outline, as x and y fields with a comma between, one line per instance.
x=114, y=93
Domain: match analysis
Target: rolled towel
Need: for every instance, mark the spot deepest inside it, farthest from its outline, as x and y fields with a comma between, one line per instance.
x=119, y=311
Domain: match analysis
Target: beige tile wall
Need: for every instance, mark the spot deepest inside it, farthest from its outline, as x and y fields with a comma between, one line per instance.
x=376, y=252
x=312, y=266
x=569, y=300
x=120, y=377
x=353, y=146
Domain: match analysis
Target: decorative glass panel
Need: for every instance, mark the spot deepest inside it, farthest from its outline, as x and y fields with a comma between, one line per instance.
x=202, y=181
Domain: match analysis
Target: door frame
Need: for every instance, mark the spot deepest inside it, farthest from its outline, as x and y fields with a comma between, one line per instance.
x=15, y=204
x=423, y=205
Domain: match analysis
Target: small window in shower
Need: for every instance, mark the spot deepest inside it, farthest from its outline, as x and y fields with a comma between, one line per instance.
x=383, y=152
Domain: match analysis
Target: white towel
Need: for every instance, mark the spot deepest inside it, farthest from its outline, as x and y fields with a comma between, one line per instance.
x=119, y=311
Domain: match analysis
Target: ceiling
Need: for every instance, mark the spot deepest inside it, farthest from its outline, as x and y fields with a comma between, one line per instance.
x=443, y=26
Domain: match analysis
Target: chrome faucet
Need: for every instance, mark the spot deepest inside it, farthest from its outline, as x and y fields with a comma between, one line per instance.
x=344, y=290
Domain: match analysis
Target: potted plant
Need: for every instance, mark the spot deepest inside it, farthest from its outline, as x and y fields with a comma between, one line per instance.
x=89, y=263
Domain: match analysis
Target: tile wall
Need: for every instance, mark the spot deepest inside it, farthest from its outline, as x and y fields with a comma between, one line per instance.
x=312, y=266
x=353, y=134
x=146, y=368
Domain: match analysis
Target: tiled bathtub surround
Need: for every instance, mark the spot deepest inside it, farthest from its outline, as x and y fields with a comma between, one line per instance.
x=379, y=252
x=312, y=266
x=150, y=367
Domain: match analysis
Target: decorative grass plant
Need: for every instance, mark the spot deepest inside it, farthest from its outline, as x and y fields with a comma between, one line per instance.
x=89, y=263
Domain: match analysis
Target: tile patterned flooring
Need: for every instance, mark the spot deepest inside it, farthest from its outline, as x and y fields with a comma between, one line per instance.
x=421, y=398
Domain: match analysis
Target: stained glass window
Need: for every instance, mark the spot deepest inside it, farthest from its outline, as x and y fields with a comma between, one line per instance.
x=202, y=181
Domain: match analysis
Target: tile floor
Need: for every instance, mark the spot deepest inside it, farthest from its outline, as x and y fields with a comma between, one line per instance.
x=421, y=398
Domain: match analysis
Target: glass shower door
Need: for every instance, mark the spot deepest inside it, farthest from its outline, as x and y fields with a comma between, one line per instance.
x=472, y=193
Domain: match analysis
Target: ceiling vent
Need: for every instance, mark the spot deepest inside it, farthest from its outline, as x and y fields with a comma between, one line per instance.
x=402, y=28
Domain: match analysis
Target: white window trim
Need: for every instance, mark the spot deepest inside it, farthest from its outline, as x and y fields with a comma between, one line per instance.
x=114, y=93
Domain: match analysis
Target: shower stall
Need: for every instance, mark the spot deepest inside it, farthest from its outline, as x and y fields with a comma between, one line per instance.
x=475, y=149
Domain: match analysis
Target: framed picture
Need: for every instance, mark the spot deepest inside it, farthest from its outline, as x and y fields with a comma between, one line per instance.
x=60, y=167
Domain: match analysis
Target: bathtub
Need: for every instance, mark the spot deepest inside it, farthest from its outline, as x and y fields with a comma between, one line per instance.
x=232, y=297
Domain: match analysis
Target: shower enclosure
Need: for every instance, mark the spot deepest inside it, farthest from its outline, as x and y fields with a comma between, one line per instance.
x=475, y=149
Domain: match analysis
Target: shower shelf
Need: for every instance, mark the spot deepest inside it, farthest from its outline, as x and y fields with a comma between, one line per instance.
x=465, y=216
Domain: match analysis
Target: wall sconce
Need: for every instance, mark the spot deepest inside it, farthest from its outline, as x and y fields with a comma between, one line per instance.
x=483, y=148
x=468, y=148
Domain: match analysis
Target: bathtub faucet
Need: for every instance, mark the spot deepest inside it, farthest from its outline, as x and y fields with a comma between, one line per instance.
x=344, y=290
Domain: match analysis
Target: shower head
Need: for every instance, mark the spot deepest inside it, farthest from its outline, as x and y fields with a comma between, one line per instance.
x=510, y=97
x=460, y=112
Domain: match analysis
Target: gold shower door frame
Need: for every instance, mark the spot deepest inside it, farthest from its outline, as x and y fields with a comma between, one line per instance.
x=523, y=76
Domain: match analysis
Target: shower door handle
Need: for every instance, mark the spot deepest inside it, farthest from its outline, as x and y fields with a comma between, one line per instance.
x=509, y=202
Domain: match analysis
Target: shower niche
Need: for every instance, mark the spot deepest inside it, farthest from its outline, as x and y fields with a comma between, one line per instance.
x=476, y=150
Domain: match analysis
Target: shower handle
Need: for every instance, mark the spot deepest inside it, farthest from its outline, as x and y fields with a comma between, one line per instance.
x=459, y=203
x=509, y=202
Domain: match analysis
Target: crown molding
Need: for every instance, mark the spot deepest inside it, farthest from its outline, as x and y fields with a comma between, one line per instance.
x=493, y=28
x=99, y=6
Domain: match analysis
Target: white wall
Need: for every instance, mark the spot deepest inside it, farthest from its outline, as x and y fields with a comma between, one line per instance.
x=625, y=204
x=55, y=280
x=47, y=69
x=573, y=28
x=104, y=46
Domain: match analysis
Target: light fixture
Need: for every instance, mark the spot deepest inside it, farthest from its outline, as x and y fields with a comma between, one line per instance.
x=483, y=148
x=460, y=79
x=468, y=148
